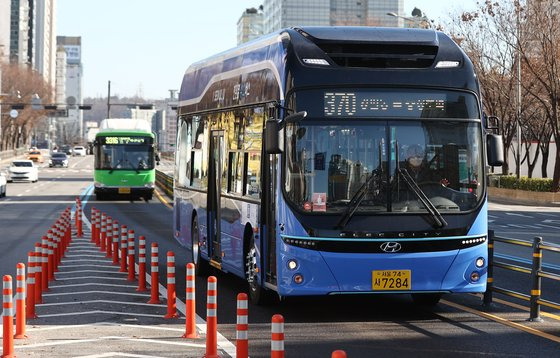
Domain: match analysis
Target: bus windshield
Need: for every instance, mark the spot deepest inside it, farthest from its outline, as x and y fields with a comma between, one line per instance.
x=328, y=161
x=130, y=156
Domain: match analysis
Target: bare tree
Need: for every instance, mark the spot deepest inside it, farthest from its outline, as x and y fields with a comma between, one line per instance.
x=540, y=55
x=22, y=81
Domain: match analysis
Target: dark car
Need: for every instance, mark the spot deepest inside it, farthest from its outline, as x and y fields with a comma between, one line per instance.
x=66, y=149
x=58, y=159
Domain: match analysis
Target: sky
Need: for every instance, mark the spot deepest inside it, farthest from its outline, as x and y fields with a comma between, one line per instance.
x=144, y=46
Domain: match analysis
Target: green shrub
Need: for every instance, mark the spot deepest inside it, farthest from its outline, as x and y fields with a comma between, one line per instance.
x=524, y=183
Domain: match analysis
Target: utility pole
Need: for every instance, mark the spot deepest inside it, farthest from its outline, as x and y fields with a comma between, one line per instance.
x=109, y=100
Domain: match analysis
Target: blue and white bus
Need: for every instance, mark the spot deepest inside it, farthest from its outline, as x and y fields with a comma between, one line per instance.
x=336, y=160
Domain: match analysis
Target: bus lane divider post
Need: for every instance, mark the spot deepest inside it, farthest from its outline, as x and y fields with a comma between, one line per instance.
x=30, y=294
x=44, y=264
x=20, y=302
x=80, y=233
x=154, y=272
x=103, y=230
x=190, y=304
x=109, y=244
x=93, y=221
x=7, y=318
x=57, y=242
x=141, y=264
x=124, y=247
x=38, y=274
x=115, y=243
x=242, y=326
x=171, y=293
x=50, y=257
x=131, y=264
x=277, y=338
x=212, y=318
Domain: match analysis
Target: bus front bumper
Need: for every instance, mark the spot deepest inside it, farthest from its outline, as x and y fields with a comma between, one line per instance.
x=327, y=273
x=148, y=189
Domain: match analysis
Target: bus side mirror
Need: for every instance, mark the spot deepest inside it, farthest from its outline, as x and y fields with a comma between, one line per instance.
x=494, y=150
x=157, y=159
x=272, y=137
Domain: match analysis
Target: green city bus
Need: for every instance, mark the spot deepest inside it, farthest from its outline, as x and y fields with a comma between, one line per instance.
x=125, y=156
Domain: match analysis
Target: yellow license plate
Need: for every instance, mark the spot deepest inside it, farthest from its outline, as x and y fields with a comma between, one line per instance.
x=391, y=280
x=124, y=190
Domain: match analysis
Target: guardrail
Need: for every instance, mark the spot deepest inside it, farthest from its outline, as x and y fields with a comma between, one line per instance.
x=12, y=153
x=535, y=272
x=164, y=182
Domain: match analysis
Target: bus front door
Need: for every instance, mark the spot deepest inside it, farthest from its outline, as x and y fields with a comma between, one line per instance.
x=215, y=169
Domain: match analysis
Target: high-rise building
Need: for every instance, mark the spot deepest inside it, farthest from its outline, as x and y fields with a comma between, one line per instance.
x=27, y=35
x=250, y=25
x=45, y=39
x=5, y=22
x=279, y=14
x=72, y=46
x=19, y=31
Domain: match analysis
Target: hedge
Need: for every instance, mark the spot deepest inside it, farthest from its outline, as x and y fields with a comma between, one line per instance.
x=524, y=183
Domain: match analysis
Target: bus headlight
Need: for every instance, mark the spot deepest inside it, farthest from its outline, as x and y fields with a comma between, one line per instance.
x=479, y=262
x=475, y=276
x=98, y=185
x=149, y=185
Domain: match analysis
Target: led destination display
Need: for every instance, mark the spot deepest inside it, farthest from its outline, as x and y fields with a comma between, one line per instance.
x=421, y=104
x=125, y=140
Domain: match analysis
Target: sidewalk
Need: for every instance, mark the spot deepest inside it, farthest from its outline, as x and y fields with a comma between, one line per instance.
x=91, y=310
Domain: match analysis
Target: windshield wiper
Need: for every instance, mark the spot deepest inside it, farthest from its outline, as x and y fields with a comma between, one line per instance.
x=357, y=200
x=439, y=221
x=116, y=165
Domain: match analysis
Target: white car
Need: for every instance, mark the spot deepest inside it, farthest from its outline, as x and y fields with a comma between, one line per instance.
x=3, y=184
x=23, y=170
x=79, y=150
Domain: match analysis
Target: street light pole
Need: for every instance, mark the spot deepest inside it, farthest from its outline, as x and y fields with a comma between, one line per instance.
x=518, y=169
x=109, y=99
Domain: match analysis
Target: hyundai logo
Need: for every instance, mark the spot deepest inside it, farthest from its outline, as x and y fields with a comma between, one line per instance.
x=391, y=247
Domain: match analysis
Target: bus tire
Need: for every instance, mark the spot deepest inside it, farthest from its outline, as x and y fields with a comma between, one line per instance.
x=257, y=293
x=426, y=299
x=201, y=266
x=100, y=196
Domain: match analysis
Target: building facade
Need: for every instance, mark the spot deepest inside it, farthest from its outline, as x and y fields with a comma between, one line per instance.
x=45, y=40
x=19, y=31
x=72, y=46
x=250, y=25
x=279, y=14
x=5, y=23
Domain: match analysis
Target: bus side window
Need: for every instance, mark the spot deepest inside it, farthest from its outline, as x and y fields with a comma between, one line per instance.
x=253, y=178
x=235, y=173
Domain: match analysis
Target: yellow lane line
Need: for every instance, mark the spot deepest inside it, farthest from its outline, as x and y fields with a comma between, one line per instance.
x=162, y=199
x=503, y=321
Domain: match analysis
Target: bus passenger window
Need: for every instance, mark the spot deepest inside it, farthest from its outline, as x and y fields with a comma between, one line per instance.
x=253, y=179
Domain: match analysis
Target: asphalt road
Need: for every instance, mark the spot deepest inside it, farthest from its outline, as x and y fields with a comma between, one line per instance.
x=361, y=325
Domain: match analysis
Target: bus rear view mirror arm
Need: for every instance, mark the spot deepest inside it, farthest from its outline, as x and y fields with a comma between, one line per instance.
x=273, y=128
x=494, y=150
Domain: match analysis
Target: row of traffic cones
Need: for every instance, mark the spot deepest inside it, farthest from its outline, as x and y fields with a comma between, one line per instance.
x=42, y=263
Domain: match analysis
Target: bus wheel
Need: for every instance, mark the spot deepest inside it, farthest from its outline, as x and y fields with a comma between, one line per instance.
x=426, y=299
x=257, y=293
x=201, y=266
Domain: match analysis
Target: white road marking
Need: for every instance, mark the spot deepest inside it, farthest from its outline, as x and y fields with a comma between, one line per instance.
x=99, y=312
x=117, y=354
x=19, y=195
x=549, y=226
x=28, y=190
x=93, y=284
x=98, y=271
x=92, y=277
x=96, y=292
x=521, y=226
x=101, y=301
x=516, y=214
